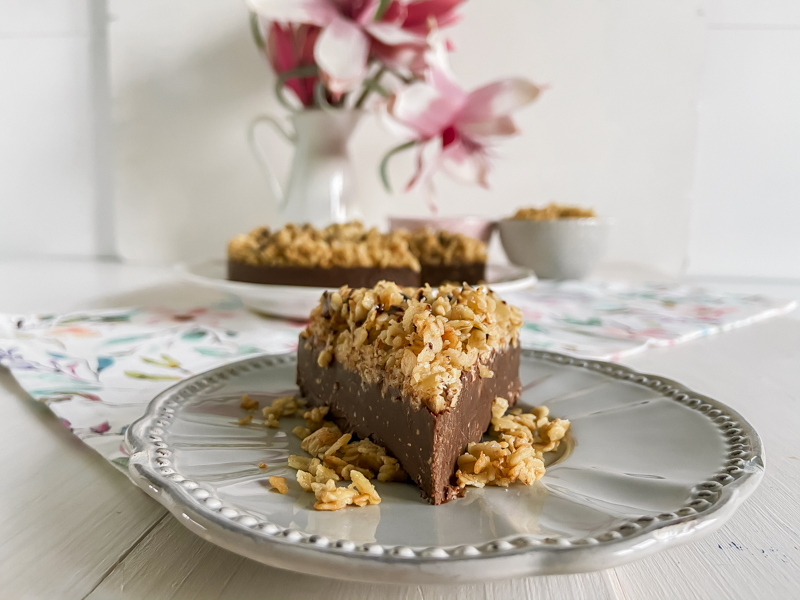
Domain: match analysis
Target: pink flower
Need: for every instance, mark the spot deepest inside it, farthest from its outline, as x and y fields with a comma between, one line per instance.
x=351, y=29
x=462, y=124
x=290, y=47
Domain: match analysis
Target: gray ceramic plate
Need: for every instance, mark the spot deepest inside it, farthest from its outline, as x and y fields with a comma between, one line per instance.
x=650, y=464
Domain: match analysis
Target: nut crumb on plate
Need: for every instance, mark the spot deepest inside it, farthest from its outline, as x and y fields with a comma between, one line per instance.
x=279, y=484
x=517, y=453
x=248, y=403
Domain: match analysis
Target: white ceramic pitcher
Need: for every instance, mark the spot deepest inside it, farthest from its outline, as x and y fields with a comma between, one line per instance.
x=321, y=188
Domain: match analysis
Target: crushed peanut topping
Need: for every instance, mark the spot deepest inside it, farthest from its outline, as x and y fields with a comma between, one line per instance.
x=279, y=484
x=417, y=340
x=335, y=457
x=552, y=212
x=246, y=420
x=517, y=454
x=338, y=245
x=446, y=248
x=285, y=406
x=262, y=465
x=248, y=403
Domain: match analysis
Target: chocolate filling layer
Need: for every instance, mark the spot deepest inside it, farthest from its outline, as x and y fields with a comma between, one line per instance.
x=436, y=275
x=426, y=444
x=333, y=277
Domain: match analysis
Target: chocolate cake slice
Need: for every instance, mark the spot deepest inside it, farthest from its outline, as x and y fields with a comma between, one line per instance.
x=447, y=257
x=340, y=254
x=415, y=370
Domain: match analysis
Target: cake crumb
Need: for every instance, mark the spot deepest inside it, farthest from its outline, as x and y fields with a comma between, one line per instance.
x=262, y=465
x=248, y=403
x=246, y=420
x=279, y=484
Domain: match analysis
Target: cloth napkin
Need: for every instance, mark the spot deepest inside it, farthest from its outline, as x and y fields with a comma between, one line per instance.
x=98, y=370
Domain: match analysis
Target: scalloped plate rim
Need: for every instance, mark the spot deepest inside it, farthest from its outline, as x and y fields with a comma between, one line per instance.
x=541, y=559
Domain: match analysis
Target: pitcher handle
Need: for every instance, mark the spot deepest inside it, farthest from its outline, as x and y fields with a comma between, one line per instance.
x=261, y=155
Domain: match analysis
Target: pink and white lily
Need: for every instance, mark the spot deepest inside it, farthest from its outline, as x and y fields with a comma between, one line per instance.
x=394, y=31
x=461, y=125
x=291, y=47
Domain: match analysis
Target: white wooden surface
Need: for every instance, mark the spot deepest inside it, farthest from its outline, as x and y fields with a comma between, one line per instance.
x=72, y=527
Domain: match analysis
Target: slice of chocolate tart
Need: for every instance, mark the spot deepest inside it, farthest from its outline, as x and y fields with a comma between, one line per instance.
x=447, y=257
x=340, y=254
x=414, y=369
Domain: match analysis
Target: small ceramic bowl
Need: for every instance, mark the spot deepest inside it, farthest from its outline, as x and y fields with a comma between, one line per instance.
x=477, y=227
x=560, y=249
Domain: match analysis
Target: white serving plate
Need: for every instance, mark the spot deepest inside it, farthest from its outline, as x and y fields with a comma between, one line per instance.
x=649, y=464
x=296, y=302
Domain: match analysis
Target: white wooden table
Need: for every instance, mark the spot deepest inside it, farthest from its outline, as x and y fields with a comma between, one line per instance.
x=73, y=527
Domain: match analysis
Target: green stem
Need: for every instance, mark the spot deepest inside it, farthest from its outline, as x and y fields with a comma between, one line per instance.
x=320, y=97
x=384, y=168
x=255, y=29
x=280, y=82
x=382, y=7
x=370, y=85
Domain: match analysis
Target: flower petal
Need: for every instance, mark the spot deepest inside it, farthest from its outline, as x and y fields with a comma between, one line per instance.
x=394, y=35
x=503, y=125
x=419, y=13
x=426, y=108
x=498, y=99
x=465, y=163
x=341, y=52
x=315, y=12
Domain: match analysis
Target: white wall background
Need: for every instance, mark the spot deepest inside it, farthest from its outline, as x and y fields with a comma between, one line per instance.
x=746, y=213
x=54, y=129
x=619, y=129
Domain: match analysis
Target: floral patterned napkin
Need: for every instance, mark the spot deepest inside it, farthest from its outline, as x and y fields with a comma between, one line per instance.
x=97, y=370
x=612, y=320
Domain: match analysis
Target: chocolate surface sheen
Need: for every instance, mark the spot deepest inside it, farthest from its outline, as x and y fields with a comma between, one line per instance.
x=427, y=444
x=332, y=277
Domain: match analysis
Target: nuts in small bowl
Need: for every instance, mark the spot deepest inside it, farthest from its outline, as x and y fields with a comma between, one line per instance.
x=557, y=242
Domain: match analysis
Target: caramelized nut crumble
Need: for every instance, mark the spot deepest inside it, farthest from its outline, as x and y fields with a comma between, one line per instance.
x=419, y=341
x=554, y=211
x=517, y=454
x=334, y=457
x=248, y=403
x=279, y=484
x=338, y=245
x=446, y=248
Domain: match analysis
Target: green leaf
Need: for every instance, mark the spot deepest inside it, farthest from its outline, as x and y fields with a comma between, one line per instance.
x=193, y=335
x=384, y=168
x=149, y=377
x=127, y=340
x=216, y=352
x=590, y=322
